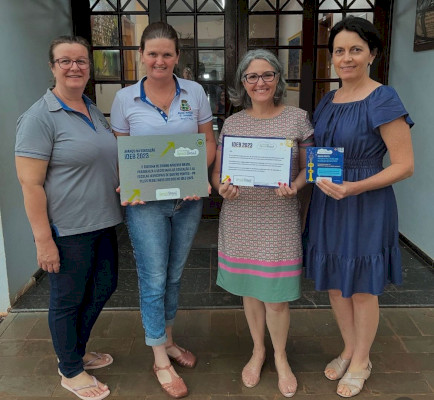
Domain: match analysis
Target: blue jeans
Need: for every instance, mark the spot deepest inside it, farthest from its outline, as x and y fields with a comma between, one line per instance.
x=161, y=234
x=88, y=276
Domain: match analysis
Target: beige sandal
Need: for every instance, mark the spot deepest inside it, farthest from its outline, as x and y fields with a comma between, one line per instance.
x=355, y=381
x=91, y=364
x=75, y=390
x=284, y=383
x=339, y=365
x=250, y=372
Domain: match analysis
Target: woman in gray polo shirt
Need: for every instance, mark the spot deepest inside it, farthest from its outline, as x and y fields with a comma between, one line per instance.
x=66, y=164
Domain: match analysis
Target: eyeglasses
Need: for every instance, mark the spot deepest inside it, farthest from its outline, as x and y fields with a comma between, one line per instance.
x=66, y=63
x=267, y=76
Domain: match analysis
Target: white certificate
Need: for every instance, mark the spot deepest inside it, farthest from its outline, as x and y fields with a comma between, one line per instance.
x=256, y=161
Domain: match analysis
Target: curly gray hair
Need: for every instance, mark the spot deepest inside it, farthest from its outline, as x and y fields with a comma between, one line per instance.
x=238, y=94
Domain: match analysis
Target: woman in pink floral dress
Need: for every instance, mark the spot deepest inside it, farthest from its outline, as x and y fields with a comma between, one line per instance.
x=260, y=252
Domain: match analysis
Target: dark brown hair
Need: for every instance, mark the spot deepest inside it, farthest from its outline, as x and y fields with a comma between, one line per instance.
x=365, y=29
x=159, y=30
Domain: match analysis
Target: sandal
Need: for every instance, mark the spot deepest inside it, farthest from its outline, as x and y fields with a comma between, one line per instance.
x=248, y=371
x=88, y=365
x=98, y=356
x=176, y=387
x=355, y=381
x=185, y=359
x=76, y=389
x=339, y=365
x=284, y=383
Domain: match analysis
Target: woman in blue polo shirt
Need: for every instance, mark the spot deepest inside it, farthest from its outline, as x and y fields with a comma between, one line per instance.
x=66, y=164
x=162, y=232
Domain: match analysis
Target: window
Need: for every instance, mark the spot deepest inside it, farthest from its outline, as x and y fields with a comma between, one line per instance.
x=116, y=28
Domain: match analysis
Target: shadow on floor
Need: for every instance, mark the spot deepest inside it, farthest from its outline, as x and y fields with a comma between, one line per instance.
x=199, y=290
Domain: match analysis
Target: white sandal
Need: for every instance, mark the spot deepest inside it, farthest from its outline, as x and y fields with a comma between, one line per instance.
x=339, y=365
x=98, y=356
x=355, y=381
x=74, y=390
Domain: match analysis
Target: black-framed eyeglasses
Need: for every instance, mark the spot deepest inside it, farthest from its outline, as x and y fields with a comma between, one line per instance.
x=267, y=76
x=66, y=63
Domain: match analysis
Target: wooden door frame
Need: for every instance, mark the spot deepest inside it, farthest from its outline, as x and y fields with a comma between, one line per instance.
x=383, y=13
x=236, y=39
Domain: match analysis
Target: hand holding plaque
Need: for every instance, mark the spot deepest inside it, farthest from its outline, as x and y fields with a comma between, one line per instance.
x=162, y=167
x=324, y=163
x=256, y=161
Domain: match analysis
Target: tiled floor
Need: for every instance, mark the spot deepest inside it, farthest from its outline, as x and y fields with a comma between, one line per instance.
x=402, y=356
x=212, y=325
x=198, y=288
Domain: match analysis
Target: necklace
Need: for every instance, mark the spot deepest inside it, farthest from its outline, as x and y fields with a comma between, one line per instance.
x=160, y=101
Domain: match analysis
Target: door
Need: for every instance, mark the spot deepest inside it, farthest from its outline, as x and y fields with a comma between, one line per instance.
x=214, y=35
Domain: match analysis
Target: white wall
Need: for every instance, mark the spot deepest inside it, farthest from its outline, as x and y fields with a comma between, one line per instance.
x=411, y=74
x=27, y=26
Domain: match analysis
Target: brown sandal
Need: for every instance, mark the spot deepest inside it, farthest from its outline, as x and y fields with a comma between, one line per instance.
x=185, y=359
x=176, y=388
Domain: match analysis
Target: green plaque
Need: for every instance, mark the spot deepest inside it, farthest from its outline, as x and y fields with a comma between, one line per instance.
x=162, y=167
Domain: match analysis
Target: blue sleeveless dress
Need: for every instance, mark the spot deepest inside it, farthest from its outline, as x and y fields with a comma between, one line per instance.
x=352, y=244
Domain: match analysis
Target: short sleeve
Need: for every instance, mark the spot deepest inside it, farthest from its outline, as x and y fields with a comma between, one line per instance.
x=386, y=106
x=306, y=131
x=35, y=139
x=118, y=120
x=220, y=139
x=205, y=113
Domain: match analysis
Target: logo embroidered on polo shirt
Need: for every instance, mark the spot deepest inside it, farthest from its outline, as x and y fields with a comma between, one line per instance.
x=185, y=106
x=104, y=122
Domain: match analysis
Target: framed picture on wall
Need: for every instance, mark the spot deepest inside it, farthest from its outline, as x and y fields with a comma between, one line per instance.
x=424, y=26
x=294, y=61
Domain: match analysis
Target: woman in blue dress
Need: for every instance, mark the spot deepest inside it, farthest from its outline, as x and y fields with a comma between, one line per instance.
x=352, y=234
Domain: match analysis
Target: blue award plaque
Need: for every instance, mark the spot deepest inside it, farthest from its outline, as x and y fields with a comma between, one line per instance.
x=324, y=163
